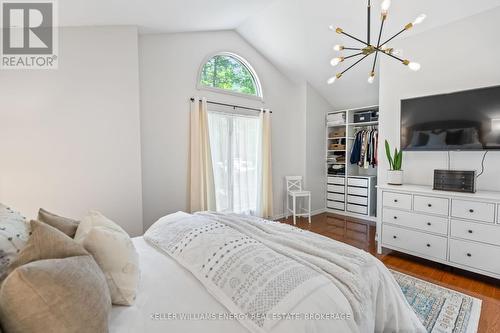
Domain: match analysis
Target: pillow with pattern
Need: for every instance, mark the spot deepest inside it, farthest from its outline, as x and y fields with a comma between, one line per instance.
x=14, y=233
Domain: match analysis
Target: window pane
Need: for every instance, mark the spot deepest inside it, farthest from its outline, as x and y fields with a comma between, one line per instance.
x=245, y=169
x=228, y=73
x=220, y=146
x=234, y=144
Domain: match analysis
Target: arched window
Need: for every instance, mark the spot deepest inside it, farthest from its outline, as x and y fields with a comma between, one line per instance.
x=230, y=73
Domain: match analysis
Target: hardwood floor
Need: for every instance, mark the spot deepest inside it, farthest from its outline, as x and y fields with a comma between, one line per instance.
x=361, y=234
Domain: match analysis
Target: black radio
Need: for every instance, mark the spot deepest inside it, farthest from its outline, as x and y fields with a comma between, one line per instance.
x=455, y=180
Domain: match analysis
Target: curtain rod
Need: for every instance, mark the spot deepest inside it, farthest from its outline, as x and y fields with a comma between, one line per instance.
x=236, y=106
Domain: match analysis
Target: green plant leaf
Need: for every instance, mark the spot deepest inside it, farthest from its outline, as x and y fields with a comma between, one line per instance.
x=388, y=153
x=400, y=160
x=395, y=158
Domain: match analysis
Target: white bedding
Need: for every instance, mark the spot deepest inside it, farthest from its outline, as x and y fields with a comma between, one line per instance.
x=167, y=288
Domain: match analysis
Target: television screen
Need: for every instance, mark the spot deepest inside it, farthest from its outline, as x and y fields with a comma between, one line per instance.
x=467, y=120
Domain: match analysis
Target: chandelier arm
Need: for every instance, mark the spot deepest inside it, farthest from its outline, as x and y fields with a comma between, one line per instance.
x=378, y=45
x=369, y=20
x=375, y=62
x=396, y=35
x=392, y=56
x=357, y=62
x=357, y=39
x=352, y=49
x=354, y=55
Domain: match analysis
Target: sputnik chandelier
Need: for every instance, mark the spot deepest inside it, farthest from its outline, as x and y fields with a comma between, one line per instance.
x=370, y=48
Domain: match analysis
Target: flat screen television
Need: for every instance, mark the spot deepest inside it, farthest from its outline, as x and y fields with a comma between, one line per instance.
x=466, y=120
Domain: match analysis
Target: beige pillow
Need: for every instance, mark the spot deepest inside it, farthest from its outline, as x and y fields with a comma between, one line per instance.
x=63, y=224
x=114, y=252
x=47, y=242
x=67, y=295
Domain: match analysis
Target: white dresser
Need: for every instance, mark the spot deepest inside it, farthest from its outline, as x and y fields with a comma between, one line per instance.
x=458, y=229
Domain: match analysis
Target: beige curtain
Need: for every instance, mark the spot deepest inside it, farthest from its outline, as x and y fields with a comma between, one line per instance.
x=202, y=188
x=266, y=195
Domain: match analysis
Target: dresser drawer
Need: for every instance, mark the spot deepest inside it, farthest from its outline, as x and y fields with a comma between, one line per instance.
x=357, y=191
x=357, y=200
x=415, y=241
x=336, y=180
x=476, y=232
x=357, y=209
x=431, y=205
x=336, y=197
x=336, y=188
x=434, y=224
x=359, y=182
x=473, y=210
x=397, y=200
x=475, y=255
x=336, y=205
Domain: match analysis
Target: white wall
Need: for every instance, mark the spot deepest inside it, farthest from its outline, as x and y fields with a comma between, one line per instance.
x=316, y=109
x=69, y=138
x=459, y=56
x=169, y=66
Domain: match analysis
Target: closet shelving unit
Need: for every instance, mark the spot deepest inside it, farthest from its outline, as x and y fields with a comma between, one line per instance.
x=352, y=192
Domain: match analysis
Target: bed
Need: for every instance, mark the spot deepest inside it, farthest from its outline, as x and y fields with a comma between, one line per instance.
x=170, y=287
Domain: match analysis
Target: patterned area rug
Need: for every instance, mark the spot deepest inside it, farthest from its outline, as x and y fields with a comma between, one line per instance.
x=440, y=309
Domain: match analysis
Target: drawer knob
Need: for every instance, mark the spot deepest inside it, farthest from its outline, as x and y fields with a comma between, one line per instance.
x=470, y=231
x=471, y=210
x=394, y=237
x=429, y=205
x=428, y=245
x=469, y=255
x=429, y=224
x=395, y=200
x=395, y=217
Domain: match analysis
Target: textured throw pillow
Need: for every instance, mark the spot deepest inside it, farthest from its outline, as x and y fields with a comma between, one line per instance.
x=437, y=139
x=114, y=252
x=47, y=242
x=14, y=233
x=63, y=224
x=67, y=295
x=454, y=137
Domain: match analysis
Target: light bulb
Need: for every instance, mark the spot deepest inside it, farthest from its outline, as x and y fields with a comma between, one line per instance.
x=421, y=18
x=331, y=27
x=414, y=66
x=371, y=78
x=386, y=4
x=338, y=48
x=336, y=61
x=334, y=78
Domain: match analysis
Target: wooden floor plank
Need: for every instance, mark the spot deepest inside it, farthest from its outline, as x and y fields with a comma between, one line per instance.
x=361, y=234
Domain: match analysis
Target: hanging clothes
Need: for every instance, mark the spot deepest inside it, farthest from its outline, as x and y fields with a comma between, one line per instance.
x=364, y=151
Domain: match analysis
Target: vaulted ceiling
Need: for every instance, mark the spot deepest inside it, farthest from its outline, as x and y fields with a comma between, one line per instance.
x=156, y=16
x=292, y=34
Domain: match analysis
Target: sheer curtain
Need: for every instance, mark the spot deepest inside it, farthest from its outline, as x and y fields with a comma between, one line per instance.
x=265, y=198
x=235, y=145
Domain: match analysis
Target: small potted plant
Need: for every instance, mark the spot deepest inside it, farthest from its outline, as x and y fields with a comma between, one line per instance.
x=395, y=174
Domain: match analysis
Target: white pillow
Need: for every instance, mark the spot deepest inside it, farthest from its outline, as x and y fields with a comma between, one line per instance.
x=14, y=233
x=115, y=254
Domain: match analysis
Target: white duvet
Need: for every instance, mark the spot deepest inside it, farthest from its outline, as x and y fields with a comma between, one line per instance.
x=316, y=302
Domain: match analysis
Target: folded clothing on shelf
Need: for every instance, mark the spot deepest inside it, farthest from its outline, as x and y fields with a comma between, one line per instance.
x=336, y=118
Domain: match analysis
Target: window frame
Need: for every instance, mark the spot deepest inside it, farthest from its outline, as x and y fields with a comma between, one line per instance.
x=245, y=63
